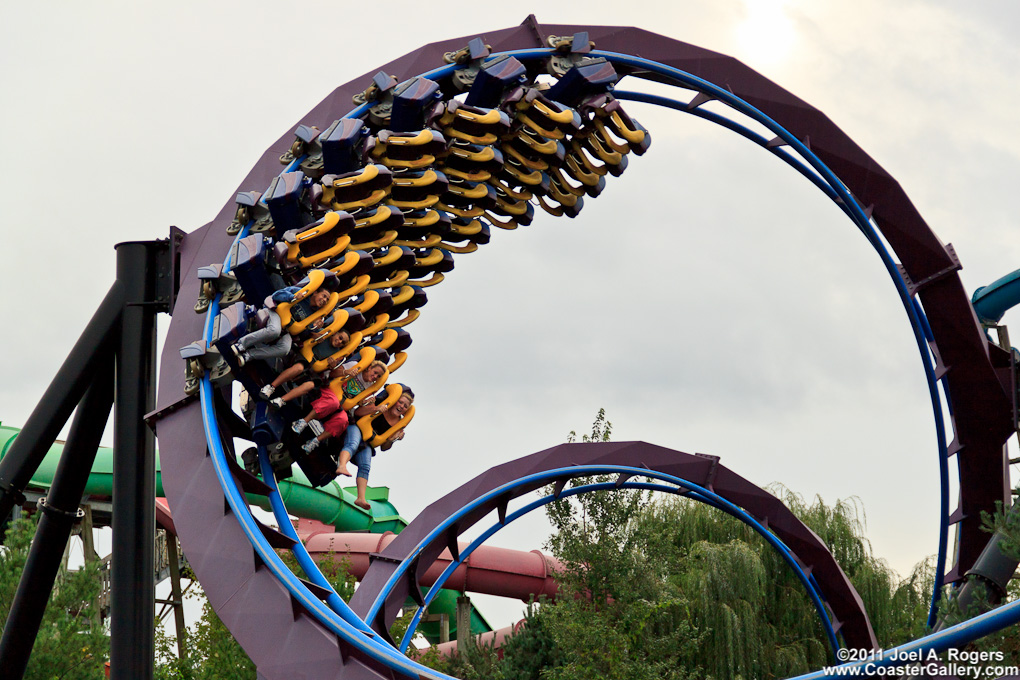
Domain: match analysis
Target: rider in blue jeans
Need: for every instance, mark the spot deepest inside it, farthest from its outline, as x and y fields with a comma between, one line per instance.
x=356, y=451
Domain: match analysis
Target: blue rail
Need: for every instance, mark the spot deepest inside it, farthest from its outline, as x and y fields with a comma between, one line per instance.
x=337, y=619
x=856, y=213
x=335, y=614
x=679, y=486
x=954, y=637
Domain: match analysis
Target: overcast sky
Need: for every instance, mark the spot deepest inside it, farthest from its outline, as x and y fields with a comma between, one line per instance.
x=711, y=300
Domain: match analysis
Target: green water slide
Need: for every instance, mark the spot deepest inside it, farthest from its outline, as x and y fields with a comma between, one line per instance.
x=332, y=505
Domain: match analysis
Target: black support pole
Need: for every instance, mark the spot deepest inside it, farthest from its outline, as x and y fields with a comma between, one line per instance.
x=59, y=511
x=65, y=391
x=132, y=643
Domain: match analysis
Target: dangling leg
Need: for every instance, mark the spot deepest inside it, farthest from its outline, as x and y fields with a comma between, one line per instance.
x=279, y=348
x=362, y=487
x=299, y=425
x=286, y=374
x=352, y=442
x=363, y=459
x=341, y=468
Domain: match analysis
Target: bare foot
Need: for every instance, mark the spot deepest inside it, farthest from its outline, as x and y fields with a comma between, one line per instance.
x=342, y=470
x=363, y=504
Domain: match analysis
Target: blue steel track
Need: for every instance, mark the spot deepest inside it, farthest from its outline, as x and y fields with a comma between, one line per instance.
x=340, y=619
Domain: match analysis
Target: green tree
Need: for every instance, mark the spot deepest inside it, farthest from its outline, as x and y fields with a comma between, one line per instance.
x=671, y=588
x=1006, y=523
x=531, y=648
x=71, y=644
x=213, y=653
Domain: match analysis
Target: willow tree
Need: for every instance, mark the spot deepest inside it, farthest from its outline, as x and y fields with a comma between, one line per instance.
x=664, y=587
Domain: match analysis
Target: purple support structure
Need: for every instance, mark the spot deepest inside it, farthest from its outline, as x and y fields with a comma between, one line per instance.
x=286, y=643
x=704, y=471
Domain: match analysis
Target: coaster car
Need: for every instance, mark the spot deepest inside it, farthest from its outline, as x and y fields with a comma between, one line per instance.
x=415, y=104
x=545, y=117
x=507, y=205
x=362, y=188
x=432, y=280
x=298, y=315
x=344, y=146
x=410, y=297
x=562, y=190
x=449, y=248
x=475, y=50
x=536, y=146
x=472, y=230
x=377, y=323
x=412, y=150
x=320, y=241
x=510, y=190
x=372, y=223
x=321, y=354
x=464, y=195
x=284, y=198
x=473, y=124
x=417, y=190
x=581, y=171
x=381, y=241
x=558, y=209
x=424, y=228
x=394, y=279
x=425, y=241
x=496, y=76
x=393, y=340
x=366, y=355
x=349, y=266
x=216, y=281
x=524, y=162
x=318, y=466
x=471, y=175
x=250, y=210
x=306, y=146
x=470, y=211
x=374, y=305
x=393, y=393
x=199, y=358
x=581, y=161
x=248, y=256
x=587, y=77
x=396, y=258
x=625, y=127
x=615, y=161
x=472, y=158
x=355, y=286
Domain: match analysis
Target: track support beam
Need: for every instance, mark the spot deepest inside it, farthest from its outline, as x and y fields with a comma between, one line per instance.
x=113, y=364
x=59, y=513
x=133, y=591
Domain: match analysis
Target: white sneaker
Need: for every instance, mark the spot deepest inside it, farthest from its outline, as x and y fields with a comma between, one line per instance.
x=267, y=391
x=298, y=425
x=316, y=427
x=310, y=445
x=278, y=402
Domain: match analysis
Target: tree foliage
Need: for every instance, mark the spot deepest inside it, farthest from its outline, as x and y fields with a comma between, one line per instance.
x=72, y=644
x=671, y=588
x=212, y=652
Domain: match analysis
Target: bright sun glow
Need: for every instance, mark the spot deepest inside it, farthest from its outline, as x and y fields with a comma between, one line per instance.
x=766, y=34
